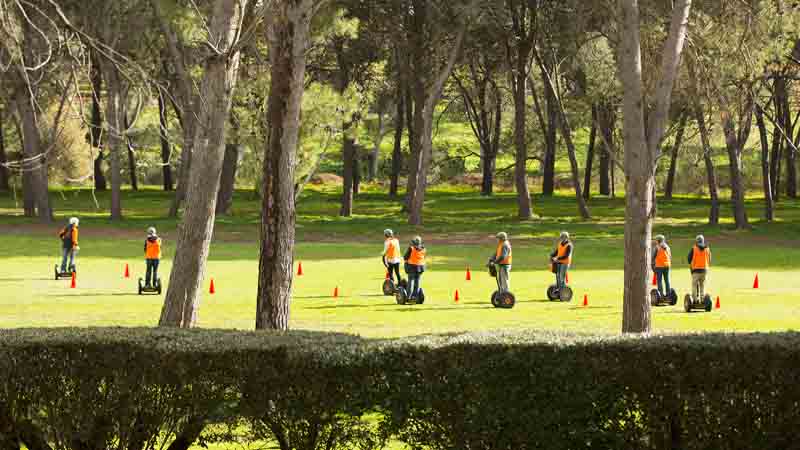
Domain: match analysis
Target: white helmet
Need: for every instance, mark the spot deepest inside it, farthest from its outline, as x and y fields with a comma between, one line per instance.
x=73, y=221
x=151, y=231
x=388, y=232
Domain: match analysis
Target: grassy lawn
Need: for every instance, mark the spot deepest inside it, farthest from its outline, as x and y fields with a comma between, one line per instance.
x=344, y=253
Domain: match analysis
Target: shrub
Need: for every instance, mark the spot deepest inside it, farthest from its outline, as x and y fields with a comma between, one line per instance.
x=144, y=389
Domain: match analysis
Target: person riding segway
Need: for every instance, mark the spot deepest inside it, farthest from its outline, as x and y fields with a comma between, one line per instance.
x=391, y=261
x=699, y=262
x=69, y=249
x=500, y=267
x=560, y=260
x=414, y=266
x=152, y=255
x=662, y=261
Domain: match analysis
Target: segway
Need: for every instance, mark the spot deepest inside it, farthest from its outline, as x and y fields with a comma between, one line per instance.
x=389, y=288
x=154, y=289
x=691, y=304
x=68, y=274
x=500, y=299
x=556, y=294
x=402, y=295
x=656, y=299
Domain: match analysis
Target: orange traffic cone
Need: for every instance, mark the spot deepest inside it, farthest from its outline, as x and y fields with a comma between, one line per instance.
x=127, y=272
x=336, y=292
x=72, y=285
x=755, y=282
x=469, y=275
x=655, y=279
x=456, y=296
x=211, y=289
x=585, y=300
x=717, y=305
x=299, y=269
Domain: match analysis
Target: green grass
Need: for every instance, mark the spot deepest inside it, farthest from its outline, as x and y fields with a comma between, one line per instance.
x=344, y=253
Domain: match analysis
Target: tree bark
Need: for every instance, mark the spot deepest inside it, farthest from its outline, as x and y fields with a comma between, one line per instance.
x=566, y=132
x=769, y=209
x=227, y=181
x=182, y=301
x=734, y=143
x=587, y=173
x=518, y=81
x=115, y=126
x=35, y=156
x=711, y=177
x=348, y=166
x=550, y=137
x=673, y=162
x=642, y=141
x=166, y=150
x=779, y=90
x=288, y=36
x=96, y=125
x=786, y=124
x=397, y=152
x=606, y=119
x=4, y=179
x=131, y=151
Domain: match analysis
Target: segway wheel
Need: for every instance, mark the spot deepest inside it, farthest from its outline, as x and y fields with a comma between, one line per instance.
x=388, y=287
x=565, y=294
x=673, y=297
x=494, y=299
x=707, y=303
x=421, y=297
x=687, y=303
x=654, y=297
x=140, y=286
x=552, y=293
x=56, y=271
x=158, y=286
x=506, y=300
x=73, y=269
x=400, y=296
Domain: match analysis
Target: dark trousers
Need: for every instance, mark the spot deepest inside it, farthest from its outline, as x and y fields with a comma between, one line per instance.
x=414, y=279
x=662, y=277
x=394, y=269
x=152, y=272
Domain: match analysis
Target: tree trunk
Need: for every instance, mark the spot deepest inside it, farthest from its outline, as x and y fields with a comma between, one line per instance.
x=711, y=177
x=785, y=122
x=96, y=125
x=166, y=150
x=374, y=157
x=734, y=143
x=550, y=139
x=587, y=173
x=397, y=152
x=769, y=213
x=131, y=152
x=288, y=36
x=518, y=81
x=673, y=162
x=36, y=158
x=606, y=118
x=566, y=132
x=348, y=166
x=356, y=172
x=227, y=181
x=642, y=141
x=420, y=157
x=114, y=112
x=779, y=90
x=4, y=179
x=412, y=145
x=182, y=301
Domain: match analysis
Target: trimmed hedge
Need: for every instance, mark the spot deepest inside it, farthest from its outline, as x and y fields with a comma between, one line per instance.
x=154, y=388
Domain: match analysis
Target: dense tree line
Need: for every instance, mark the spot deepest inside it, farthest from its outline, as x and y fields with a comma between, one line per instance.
x=225, y=81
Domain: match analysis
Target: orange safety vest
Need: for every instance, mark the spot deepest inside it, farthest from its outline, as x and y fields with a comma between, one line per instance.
x=562, y=250
x=499, y=251
x=701, y=259
x=152, y=249
x=393, y=251
x=417, y=257
x=663, y=259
